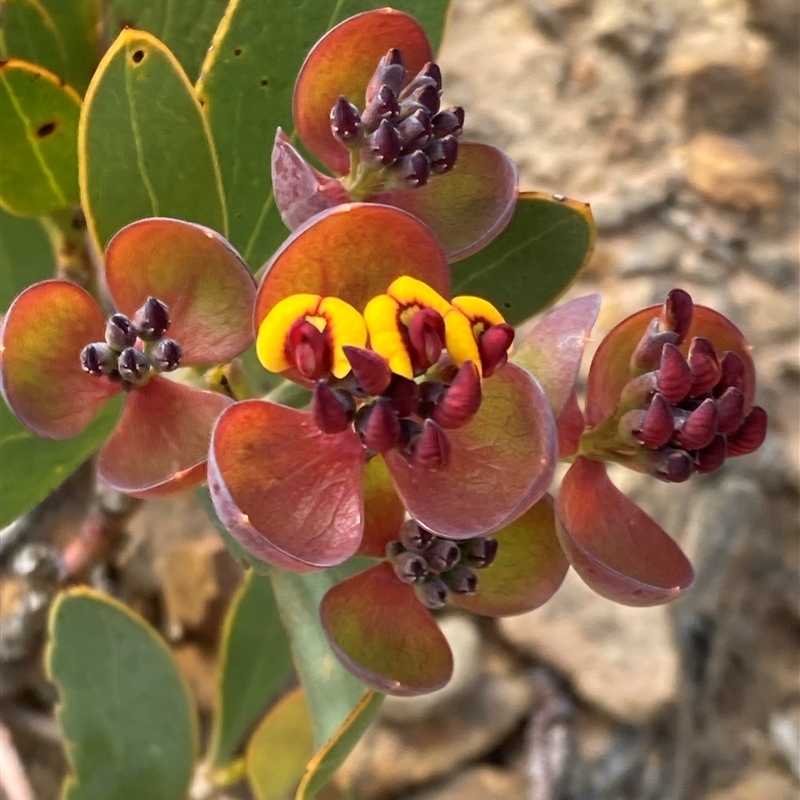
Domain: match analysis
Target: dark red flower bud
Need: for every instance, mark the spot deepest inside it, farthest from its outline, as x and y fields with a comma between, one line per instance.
x=410, y=567
x=751, y=433
x=676, y=313
x=391, y=71
x=393, y=549
x=133, y=366
x=431, y=450
x=442, y=555
x=426, y=338
x=638, y=392
x=712, y=456
x=167, y=354
x=415, y=130
x=461, y=399
x=704, y=366
x=730, y=410
x=119, y=332
x=657, y=423
x=404, y=394
x=479, y=552
x=448, y=122
x=412, y=170
x=461, y=580
x=432, y=593
x=346, y=125
x=379, y=426
x=382, y=106
x=426, y=96
x=370, y=370
x=698, y=429
x=309, y=350
x=442, y=153
x=647, y=355
x=673, y=377
x=493, y=347
x=670, y=465
x=731, y=373
x=414, y=537
x=98, y=359
x=333, y=410
x=151, y=320
x=431, y=70
x=381, y=148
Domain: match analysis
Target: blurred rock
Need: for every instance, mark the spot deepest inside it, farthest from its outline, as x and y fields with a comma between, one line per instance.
x=638, y=29
x=728, y=174
x=775, y=262
x=779, y=19
x=477, y=783
x=760, y=785
x=784, y=730
x=772, y=314
x=655, y=251
x=198, y=667
x=618, y=658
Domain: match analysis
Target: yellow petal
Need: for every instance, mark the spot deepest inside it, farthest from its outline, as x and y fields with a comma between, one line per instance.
x=345, y=327
x=271, y=339
x=478, y=310
x=460, y=338
x=385, y=337
x=412, y=292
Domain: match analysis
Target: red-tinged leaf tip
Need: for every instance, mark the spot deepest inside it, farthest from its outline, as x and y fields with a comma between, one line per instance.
x=500, y=463
x=527, y=570
x=383, y=511
x=300, y=191
x=42, y=335
x=570, y=425
x=384, y=636
x=342, y=63
x=203, y=281
x=352, y=252
x=469, y=206
x=616, y=548
x=552, y=350
x=160, y=444
x=610, y=367
x=286, y=491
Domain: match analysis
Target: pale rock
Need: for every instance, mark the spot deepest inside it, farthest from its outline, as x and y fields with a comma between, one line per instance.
x=763, y=784
x=772, y=314
x=477, y=783
x=639, y=29
x=655, y=251
x=784, y=730
x=779, y=19
x=728, y=174
x=618, y=658
x=775, y=262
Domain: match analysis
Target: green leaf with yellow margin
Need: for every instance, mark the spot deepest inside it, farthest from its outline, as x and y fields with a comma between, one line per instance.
x=144, y=146
x=534, y=260
x=125, y=712
x=26, y=256
x=255, y=662
x=38, y=130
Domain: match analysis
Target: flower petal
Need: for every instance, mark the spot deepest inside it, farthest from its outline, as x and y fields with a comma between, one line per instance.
x=300, y=191
x=296, y=490
x=468, y=207
x=383, y=511
x=41, y=378
x=383, y=634
x=528, y=569
x=352, y=252
x=570, y=425
x=501, y=462
x=203, y=281
x=552, y=350
x=616, y=548
x=160, y=444
x=610, y=367
x=342, y=63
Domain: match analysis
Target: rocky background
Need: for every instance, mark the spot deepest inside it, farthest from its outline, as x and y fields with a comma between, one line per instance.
x=678, y=120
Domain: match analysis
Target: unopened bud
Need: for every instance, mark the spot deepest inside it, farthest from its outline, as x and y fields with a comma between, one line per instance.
x=431, y=450
x=426, y=96
x=676, y=313
x=461, y=580
x=167, y=354
x=461, y=400
x=671, y=465
x=379, y=426
x=414, y=537
x=448, y=122
x=333, y=410
x=493, y=346
x=309, y=350
x=370, y=370
x=712, y=456
x=750, y=435
x=346, y=125
x=426, y=334
x=731, y=373
x=479, y=552
x=151, y=320
x=698, y=429
x=703, y=365
x=673, y=377
x=415, y=130
x=404, y=394
x=412, y=170
x=393, y=549
x=98, y=359
x=647, y=354
x=442, y=555
x=651, y=428
x=391, y=71
x=382, y=147
x=410, y=567
x=133, y=365
x=730, y=410
x=382, y=106
x=442, y=153
x=638, y=392
x=432, y=593
x=119, y=332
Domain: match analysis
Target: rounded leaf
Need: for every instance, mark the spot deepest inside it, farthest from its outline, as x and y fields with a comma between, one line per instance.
x=160, y=444
x=527, y=570
x=383, y=511
x=342, y=63
x=41, y=376
x=353, y=252
x=501, y=462
x=287, y=492
x=383, y=634
x=616, y=548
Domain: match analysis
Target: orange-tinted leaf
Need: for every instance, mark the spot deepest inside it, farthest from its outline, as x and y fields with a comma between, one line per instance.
x=383, y=634
x=341, y=63
x=501, y=462
x=288, y=493
x=616, y=548
x=383, y=511
x=42, y=336
x=203, y=281
x=530, y=565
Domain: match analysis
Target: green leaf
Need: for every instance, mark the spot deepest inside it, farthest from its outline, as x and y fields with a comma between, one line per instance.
x=255, y=662
x=126, y=713
x=144, y=146
x=534, y=260
x=185, y=27
x=26, y=256
x=38, y=130
x=246, y=86
x=34, y=467
x=56, y=35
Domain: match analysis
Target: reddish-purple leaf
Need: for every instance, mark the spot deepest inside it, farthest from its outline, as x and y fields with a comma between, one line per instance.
x=501, y=462
x=570, y=425
x=43, y=333
x=616, y=548
x=383, y=511
x=288, y=492
x=383, y=634
x=528, y=569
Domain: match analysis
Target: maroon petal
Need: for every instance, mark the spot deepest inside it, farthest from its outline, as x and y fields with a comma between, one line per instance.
x=160, y=444
x=616, y=548
x=300, y=191
x=384, y=636
x=43, y=333
x=467, y=207
x=527, y=570
x=286, y=491
x=570, y=425
x=501, y=462
x=203, y=281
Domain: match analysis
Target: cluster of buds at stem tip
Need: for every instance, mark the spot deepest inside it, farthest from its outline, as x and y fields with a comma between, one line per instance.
x=438, y=567
x=134, y=349
x=402, y=136
x=685, y=414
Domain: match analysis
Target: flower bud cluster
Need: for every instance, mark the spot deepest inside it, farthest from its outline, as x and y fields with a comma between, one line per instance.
x=134, y=349
x=402, y=135
x=437, y=567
